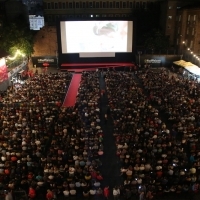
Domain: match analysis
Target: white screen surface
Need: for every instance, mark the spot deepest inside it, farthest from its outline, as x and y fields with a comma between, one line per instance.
x=96, y=36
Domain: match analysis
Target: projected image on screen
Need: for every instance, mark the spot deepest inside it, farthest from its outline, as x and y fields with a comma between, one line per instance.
x=95, y=36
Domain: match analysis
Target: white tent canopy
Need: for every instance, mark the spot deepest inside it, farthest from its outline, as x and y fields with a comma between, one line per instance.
x=193, y=69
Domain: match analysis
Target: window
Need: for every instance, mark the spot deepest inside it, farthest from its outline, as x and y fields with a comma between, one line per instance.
x=49, y=18
x=97, y=16
x=124, y=4
x=91, y=4
x=169, y=17
x=94, y=4
x=131, y=4
x=83, y=4
x=144, y=5
x=56, y=5
x=192, y=31
x=111, y=5
x=49, y=6
x=195, y=18
x=104, y=4
x=188, y=17
x=97, y=4
x=77, y=5
x=179, y=19
x=117, y=4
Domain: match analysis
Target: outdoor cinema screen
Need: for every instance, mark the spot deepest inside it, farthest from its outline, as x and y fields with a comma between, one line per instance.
x=96, y=36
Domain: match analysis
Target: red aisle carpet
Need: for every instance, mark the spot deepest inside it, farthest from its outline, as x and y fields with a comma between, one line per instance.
x=70, y=97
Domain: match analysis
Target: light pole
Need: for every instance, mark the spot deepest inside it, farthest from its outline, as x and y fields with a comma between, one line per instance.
x=139, y=53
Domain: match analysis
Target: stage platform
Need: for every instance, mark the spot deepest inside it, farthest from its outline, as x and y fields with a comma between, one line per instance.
x=93, y=66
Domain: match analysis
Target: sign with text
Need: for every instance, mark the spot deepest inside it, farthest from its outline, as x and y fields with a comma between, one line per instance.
x=157, y=60
x=39, y=61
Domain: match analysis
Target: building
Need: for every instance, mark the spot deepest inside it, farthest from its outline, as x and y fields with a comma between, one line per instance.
x=187, y=32
x=55, y=10
x=36, y=22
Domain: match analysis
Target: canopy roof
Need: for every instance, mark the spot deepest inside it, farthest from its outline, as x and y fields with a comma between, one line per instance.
x=194, y=69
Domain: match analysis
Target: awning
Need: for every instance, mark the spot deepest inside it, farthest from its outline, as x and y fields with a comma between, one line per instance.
x=190, y=67
x=179, y=62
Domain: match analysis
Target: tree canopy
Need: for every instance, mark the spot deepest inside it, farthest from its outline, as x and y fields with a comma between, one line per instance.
x=17, y=36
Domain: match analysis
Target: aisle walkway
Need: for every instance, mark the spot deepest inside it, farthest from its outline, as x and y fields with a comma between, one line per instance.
x=70, y=98
x=110, y=161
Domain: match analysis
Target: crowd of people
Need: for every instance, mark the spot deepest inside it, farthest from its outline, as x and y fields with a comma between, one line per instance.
x=50, y=151
x=47, y=150
x=156, y=126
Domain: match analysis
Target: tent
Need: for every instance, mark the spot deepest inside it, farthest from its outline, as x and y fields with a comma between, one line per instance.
x=190, y=67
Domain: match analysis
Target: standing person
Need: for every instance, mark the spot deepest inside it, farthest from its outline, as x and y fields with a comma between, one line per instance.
x=142, y=196
x=116, y=193
x=106, y=118
x=31, y=193
x=49, y=195
x=106, y=192
x=8, y=195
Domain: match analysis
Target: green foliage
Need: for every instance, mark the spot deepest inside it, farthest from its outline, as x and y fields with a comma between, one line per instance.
x=156, y=40
x=15, y=36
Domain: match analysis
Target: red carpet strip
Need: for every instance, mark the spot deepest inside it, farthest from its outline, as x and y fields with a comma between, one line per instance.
x=70, y=98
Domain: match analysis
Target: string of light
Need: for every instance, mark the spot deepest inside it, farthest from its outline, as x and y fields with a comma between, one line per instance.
x=194, y=55
x=16, y=54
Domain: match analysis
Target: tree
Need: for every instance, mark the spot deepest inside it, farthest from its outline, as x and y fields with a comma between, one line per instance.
x=146, y=20
x=15, y=36
x=156, y=40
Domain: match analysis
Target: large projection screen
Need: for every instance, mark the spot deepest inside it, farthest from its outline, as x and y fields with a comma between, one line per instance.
x=96, y=38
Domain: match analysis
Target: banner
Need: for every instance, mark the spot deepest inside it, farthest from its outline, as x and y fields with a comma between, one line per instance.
x=3, y=70
x=38, y=61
